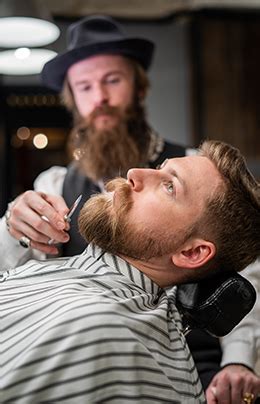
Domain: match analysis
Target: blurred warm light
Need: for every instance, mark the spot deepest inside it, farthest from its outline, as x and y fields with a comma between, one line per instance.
x=77, y=154
x=50, y=138
x=32, y=100
x=23, y=133
x=40, y=141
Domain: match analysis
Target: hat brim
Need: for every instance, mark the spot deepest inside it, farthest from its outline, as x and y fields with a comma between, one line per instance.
x=54, y=71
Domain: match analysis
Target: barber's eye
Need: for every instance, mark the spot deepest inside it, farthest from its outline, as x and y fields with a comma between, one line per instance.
x=113, y=80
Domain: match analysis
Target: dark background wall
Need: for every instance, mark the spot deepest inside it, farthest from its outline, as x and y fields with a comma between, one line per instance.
x=205, y=83
x=168, y=106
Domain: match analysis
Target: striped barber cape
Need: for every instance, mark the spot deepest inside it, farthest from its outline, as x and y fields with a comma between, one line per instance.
x=91, y=329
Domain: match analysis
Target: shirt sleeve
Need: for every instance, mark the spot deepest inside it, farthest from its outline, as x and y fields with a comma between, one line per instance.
x=51, y=180
x=191, y=152
x=242, y=344
x=12, y=254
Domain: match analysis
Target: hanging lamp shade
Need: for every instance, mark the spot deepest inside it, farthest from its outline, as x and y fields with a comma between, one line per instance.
x=24, y=61
x=26, y=23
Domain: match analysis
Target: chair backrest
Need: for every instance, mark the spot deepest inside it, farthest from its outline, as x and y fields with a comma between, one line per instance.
x=215, y=304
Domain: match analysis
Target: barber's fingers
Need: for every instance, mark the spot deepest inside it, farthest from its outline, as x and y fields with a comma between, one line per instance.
x=38, y=230
x=59, y=205
x=43, y=247
x=35, y=202
x=230, y=385
x=211, y=395
x=51, y=206
x=233, y=395
x=252, y=386
x=242, y=381
x=221, y=394
x=32, y=215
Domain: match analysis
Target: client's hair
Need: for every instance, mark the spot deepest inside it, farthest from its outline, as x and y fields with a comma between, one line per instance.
x=232, y=218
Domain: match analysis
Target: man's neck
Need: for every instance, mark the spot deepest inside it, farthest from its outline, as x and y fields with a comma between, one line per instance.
x=159, y=270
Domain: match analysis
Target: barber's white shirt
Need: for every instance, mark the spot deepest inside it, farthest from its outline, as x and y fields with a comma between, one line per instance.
x=12, y=254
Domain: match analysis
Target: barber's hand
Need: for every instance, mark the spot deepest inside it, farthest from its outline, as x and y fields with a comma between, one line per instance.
x=232, y=384
x=28, y=215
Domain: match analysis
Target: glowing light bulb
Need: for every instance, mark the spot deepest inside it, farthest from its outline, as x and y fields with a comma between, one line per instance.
x=40, y=141
x=22, y=53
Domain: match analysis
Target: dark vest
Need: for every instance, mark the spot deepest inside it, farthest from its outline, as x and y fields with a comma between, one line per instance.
x=205, y=349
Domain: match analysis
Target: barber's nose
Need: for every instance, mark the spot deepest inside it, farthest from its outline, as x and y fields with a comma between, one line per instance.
x=139, y=177
x=100, y=96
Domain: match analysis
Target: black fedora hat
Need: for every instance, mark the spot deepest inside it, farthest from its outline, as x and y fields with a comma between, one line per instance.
x=91, y=36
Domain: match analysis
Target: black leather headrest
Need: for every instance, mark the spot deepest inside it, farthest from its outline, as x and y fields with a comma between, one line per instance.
x=216, y=304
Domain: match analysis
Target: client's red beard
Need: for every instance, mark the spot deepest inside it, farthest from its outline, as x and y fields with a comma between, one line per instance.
x=108, y=153
x=107, y=225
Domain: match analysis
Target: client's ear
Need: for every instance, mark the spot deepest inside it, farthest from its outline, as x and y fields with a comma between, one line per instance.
x=194, y=253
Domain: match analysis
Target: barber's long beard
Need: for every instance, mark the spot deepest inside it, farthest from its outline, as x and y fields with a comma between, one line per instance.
x=108, y=226
x=108, y=153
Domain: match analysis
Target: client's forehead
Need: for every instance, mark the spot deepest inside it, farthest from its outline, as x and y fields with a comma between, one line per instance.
x=188, y=162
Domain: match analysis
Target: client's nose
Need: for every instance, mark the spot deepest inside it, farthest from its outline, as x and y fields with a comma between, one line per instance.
x=137, y=177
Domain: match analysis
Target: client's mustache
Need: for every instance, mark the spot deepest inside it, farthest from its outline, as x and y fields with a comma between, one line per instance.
x=118, y=182
x=123, y=190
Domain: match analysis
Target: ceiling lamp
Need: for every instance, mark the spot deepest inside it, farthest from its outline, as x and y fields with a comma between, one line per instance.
x=23, y=61
x=26, y=23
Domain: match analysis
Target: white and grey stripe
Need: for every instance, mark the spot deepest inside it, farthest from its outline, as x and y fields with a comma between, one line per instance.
x=91, y=329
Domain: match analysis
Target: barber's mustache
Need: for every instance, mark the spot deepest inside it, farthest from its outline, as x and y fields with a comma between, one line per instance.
x=104, y=109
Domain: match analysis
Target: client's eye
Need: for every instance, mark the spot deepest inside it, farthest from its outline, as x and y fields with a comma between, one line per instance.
x=170, y=187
